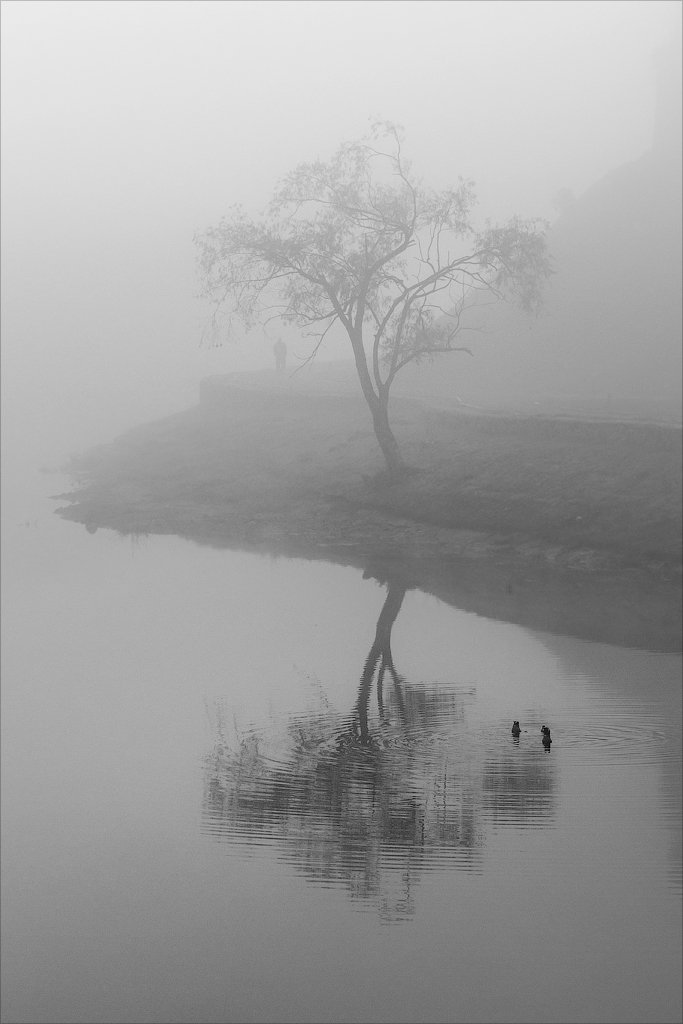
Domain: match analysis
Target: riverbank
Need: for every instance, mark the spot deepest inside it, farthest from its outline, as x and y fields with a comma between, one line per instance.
x=510, y=514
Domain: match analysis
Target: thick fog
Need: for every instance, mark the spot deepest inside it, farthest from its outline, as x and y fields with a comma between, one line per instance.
x=127, y=128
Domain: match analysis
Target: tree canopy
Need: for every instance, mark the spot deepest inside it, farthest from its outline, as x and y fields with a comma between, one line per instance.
x=360, y=241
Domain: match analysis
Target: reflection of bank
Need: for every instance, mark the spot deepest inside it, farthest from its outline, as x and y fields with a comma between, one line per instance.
x=370, y=800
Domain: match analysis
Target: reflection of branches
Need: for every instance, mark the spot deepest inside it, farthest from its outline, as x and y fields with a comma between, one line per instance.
x=366, y=800
x=517, y=790
x=366, y=816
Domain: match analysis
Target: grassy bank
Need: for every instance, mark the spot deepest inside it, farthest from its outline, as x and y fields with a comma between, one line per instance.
x=259, y=456
x=558, y=525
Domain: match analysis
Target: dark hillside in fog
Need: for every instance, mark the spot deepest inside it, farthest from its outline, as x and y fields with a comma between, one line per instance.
x=608, y=342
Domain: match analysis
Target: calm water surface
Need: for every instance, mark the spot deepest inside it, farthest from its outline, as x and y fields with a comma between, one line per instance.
x=244, y=789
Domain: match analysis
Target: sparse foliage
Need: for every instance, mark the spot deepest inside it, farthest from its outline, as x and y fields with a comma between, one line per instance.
x=360, y=241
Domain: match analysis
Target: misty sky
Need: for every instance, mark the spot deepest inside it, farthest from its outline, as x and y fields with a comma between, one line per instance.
x=129, y=126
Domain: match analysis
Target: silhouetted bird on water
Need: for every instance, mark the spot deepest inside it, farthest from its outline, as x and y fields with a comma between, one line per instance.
x=515, y=728
x=546, y=736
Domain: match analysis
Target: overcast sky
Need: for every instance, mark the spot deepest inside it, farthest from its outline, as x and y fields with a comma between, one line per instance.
x=129, y=126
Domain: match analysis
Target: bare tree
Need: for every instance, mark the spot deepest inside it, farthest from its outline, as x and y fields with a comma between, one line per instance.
x=361, y=242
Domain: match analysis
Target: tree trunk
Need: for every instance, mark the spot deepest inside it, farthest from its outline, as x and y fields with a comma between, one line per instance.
x=385, y=438
x=379, y=407
x=380, y=652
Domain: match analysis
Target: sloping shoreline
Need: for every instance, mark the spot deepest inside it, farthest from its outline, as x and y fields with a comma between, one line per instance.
x=299, y=477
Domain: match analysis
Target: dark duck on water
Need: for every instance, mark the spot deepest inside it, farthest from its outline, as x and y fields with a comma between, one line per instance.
x=547, y=740
x=515, y=728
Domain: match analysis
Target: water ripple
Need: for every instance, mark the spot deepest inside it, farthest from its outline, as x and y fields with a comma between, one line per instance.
x=420, y=781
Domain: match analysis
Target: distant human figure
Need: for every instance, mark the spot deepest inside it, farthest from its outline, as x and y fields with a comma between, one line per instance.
x=515, y=728
x=280, y=350
x=547, y=740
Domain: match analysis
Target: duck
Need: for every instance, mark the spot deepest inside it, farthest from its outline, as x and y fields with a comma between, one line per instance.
x=547, y=739
x=515, y=728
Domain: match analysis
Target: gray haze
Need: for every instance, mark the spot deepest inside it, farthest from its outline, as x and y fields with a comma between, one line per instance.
x=129, y=127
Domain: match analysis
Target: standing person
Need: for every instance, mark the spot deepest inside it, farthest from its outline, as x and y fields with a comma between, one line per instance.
x=280, y=350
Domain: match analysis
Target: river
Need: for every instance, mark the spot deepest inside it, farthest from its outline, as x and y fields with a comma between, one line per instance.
x=246, y=788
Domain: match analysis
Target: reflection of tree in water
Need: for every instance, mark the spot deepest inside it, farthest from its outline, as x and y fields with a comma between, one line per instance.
x=368, y=800
x=518, y=791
